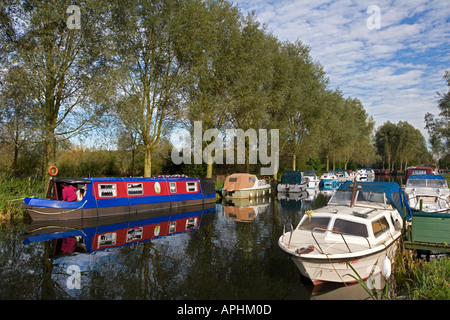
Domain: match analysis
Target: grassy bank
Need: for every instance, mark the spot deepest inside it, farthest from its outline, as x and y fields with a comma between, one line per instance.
x=12, y=191
x=421, y=280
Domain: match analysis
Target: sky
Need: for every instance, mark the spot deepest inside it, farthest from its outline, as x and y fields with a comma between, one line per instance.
x=391, y=55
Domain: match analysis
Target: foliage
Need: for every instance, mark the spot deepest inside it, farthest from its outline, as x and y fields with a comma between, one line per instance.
x=439, y=128
x=401, y=144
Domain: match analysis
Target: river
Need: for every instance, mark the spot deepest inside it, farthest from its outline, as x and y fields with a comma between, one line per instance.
x=222, y=252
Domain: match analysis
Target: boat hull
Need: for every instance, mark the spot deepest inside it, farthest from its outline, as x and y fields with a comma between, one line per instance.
x=291, y=188
x=329, y=269
x=154, y=194
x=249, y=193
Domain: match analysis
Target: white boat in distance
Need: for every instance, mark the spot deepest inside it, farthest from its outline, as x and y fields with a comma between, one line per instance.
x=311, y=178
x=360, y=226
x=431, y=189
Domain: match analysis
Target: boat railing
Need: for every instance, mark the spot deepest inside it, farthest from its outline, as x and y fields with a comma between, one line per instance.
x=290, y=236
x=342, y=234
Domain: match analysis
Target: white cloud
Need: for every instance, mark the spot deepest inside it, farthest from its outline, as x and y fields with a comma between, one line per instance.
x=395, y=71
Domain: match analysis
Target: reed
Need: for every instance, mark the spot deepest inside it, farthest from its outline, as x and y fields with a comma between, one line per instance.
x=417, y=279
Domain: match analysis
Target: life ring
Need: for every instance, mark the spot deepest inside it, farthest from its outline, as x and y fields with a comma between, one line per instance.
x=50, y=171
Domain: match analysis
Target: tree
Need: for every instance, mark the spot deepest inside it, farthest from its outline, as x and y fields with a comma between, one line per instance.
x=439, y=127
x=150, y=44
x=65, y=74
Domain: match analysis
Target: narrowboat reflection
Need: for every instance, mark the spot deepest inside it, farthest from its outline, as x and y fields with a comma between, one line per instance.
x=92, y=235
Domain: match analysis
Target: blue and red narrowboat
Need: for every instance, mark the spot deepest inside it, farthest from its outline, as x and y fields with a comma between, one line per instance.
x=99, y=197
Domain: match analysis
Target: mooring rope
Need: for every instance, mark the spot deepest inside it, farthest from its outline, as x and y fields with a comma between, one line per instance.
x=60, y=212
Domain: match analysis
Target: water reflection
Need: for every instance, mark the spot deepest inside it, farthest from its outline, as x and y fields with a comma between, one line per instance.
x=217, y=256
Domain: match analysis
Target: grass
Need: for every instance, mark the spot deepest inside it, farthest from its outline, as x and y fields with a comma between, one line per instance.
x=422, y=280
x=12, y=191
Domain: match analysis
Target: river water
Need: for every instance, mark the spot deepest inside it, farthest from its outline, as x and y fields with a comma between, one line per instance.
x=227, y=251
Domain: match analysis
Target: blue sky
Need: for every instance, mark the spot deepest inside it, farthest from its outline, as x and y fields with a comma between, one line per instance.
x=395, y=70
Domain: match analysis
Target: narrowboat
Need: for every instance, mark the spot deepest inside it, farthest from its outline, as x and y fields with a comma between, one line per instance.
x=431, y=189
x=292, y=181
x=360, y=226
x=244, y=185
x=98, y=197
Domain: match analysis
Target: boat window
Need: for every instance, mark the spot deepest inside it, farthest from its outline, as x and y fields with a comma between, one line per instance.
x=350, y=228
x=251, y=179
x=369, y=196
x=191, y=186
x=173, y=227
x=436, y=183
x=107, y=190
x=135, y=189
x=315, y=222
x=341, y=198
x=232, y=179
x=417, y=183
x=173, y=187
x=191, y=223
x=380, y=226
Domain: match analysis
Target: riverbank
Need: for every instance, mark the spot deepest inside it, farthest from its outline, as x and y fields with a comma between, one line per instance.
x=417, y=279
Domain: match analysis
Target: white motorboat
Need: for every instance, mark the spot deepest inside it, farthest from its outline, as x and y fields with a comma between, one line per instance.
x=244, y=185
x=360, y=226
x=311, y=178
x=432, y=190
x=292, y=182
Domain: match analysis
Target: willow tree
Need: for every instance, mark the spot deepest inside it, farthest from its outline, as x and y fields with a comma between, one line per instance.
x=213, y=38
x=149, y=41
x=297, y=91
x=64, y=65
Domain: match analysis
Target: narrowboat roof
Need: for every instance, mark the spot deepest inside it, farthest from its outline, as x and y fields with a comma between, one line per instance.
x=115, y=179
x=71, y=180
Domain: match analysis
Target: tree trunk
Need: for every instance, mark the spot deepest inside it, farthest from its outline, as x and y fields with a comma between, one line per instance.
x=328, y=162
x=294, y=160
x=148, y=162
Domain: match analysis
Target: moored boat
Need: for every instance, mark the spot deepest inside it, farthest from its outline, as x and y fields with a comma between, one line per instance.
x=98, y=197
x=432, y=190
x=311, y=179
x=360, y=226
x=292, y=182
x=329, y=181
x=244, y=185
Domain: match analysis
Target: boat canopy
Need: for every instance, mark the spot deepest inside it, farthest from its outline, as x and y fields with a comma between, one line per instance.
x=238, y=181
x=309, y=173
x=392, y=190
x=427, y=176
x=426, y=180
x=291, y=177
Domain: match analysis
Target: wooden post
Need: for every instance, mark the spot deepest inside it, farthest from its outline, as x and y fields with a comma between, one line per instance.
x=353, y=193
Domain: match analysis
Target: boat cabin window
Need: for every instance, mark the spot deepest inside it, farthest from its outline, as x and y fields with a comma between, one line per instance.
x=251, y=179
x=173, y=187
x=232, y=179
x=107, y=190
x=352, y=228
x=315, y=222
x=135, y=189
x=416, y=183
x=368, y=196
x=191, y=223
x=380, y=226
x=341, y=198
x=191, y=186
x=437, y=183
